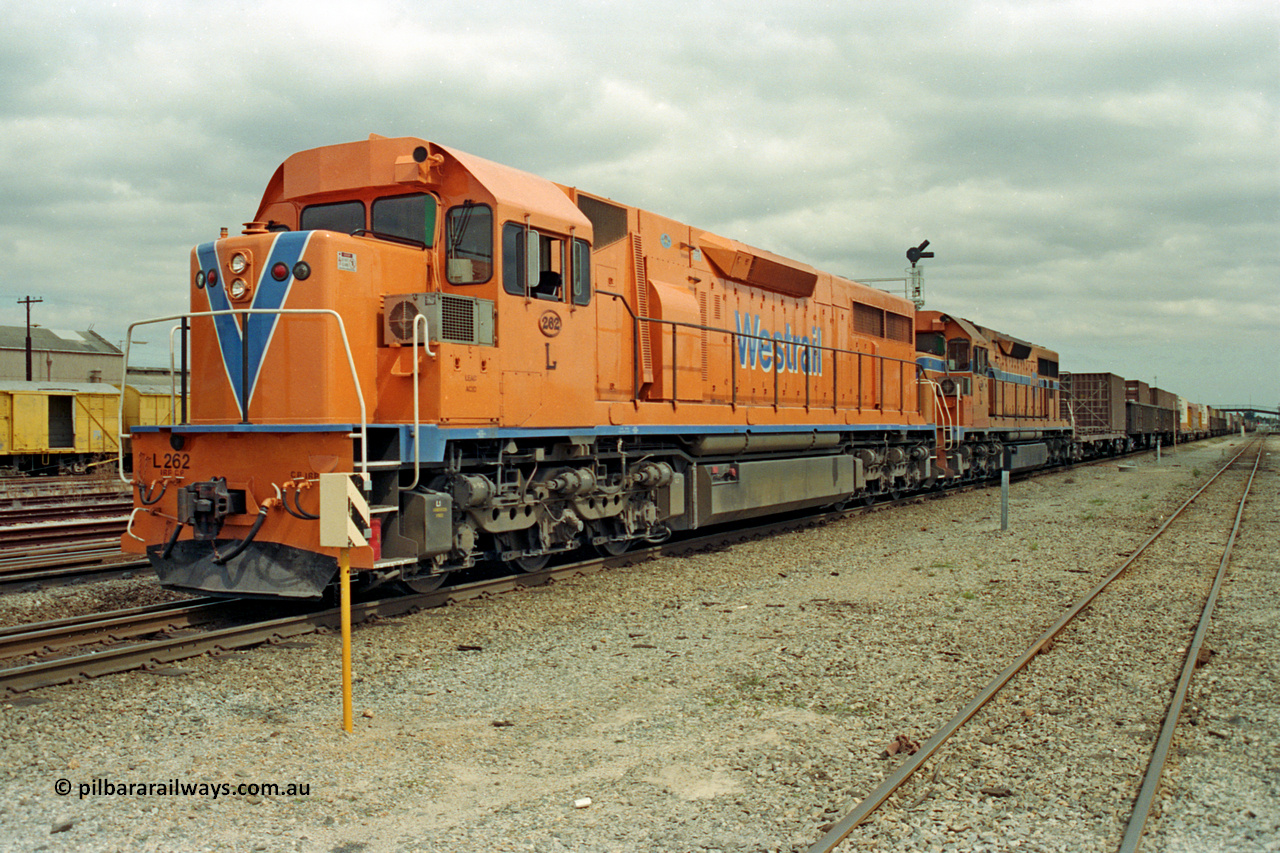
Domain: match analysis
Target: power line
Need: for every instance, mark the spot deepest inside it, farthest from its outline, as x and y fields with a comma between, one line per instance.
x=28, y=301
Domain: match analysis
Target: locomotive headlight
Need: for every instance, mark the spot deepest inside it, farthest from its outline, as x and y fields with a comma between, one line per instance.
x=239, y=263
x=239, y=288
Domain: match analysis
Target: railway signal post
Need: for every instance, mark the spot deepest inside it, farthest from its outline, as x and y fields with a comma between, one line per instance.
x=344, y=524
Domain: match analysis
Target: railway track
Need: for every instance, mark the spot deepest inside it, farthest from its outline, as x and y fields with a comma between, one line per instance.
x=28, y=487
x=165, y=650
x=48, y=508
x=121, y=625
x=33, y=535
x=108, y=628
x=155, y=652
x=66, y=534
x=1102, y=628
x=73, y=571
x=62, y=552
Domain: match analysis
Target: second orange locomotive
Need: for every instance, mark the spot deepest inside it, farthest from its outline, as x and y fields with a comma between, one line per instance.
x=513, y=368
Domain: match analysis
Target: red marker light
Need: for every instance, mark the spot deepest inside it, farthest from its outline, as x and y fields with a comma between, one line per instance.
x=279, y=271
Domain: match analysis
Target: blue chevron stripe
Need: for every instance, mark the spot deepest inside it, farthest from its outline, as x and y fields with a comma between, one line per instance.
x=286, y=248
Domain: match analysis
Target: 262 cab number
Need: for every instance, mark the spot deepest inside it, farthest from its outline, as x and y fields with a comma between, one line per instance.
x=171, y=461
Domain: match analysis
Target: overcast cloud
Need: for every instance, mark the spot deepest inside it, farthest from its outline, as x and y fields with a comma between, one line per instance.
x=1101, y=178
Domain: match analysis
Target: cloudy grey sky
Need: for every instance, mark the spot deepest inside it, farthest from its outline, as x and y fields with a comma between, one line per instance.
x=1099, y=177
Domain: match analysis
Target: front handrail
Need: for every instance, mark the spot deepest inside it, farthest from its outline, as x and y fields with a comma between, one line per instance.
x=173, y=379
x=944, y=420
x=346, y=344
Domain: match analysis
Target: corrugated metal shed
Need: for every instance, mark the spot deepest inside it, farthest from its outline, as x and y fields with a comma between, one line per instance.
x=58, y=354
x=55, y=340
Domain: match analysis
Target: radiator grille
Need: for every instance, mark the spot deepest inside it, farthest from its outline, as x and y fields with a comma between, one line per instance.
x=457, y=319
x=897, y=327
x=868, y=320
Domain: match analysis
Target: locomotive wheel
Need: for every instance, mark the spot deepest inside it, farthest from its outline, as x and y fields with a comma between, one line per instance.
x=424, y=583
x=609, y=547
x=528, y=563
x=612, y=549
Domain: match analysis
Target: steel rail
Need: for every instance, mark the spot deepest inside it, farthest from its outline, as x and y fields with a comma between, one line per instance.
x=72, y=573
x=877, y=797
x=39, y=488
x=55, y=553
x=158, y=652
x=64, y=532
x=20, y=640
x=26, y=513
x=1151, y=781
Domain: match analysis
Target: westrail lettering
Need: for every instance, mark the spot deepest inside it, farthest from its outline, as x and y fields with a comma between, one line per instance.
x=783, y=352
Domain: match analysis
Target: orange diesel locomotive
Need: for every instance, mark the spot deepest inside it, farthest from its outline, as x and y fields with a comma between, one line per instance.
x=997, y=398
x=512, y=368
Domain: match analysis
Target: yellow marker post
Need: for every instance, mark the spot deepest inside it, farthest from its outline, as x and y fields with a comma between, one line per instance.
x=344, y=568
x=344, y=522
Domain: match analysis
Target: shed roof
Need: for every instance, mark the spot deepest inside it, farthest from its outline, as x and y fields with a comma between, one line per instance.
x=39, y=386
x=56, y=340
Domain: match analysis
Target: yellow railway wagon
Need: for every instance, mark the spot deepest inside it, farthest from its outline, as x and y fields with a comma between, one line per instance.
x=54, y=427
x=150, y=405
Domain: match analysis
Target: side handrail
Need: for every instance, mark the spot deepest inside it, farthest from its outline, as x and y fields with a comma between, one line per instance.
x=417, y=410
x=733, y=334
x=944, y=420
x=346, y=344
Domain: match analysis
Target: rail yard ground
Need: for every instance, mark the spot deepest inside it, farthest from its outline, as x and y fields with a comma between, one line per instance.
x=738, y=700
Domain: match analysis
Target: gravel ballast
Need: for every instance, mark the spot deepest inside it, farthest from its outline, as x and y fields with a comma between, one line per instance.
x=737, y=700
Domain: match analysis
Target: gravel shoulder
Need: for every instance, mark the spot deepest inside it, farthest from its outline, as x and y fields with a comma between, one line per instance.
x=736, y=700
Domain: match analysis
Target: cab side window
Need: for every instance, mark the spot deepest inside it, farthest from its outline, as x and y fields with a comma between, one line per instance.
x=931, y=343
x=534, y=265
x=469, y=238
x=581, y=272
x=958, y=354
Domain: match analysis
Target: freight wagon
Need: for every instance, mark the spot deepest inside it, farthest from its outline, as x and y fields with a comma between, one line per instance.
x=70, y=427
x=1110, y=415
x=60, y=427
